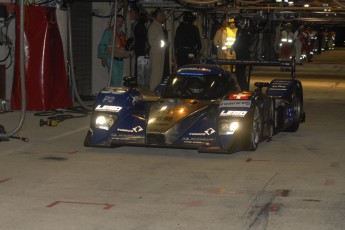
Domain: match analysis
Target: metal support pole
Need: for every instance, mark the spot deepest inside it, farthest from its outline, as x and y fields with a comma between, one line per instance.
x=113, y=45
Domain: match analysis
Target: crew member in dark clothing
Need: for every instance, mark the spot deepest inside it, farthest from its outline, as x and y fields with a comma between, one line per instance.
x=187, y=40
x=139, y=31
x=242, y=48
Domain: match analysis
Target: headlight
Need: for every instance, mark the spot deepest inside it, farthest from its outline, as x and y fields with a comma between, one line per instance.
x=234, y=126
x=104, y=121
x=230, y=127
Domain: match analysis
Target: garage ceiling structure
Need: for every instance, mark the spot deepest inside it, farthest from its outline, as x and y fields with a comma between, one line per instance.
x=326, y=12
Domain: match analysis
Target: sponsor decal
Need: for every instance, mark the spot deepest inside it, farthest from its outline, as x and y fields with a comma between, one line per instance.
x=237, y=96
x=197, y=139
x=136, y=129
x=236, y=103
x=282, y=82
x=204, y=69
x=136, y=99
x=108, y=99
x=280, y=85
x=109, y=108
x=197, y=134
x=193, y=142
x=113, y=91
x=207, y=132
x=225, y=113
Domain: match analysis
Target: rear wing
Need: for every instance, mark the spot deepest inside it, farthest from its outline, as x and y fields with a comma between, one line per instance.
x=287, y=63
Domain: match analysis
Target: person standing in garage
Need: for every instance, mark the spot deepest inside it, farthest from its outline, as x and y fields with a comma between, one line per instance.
x=241, y=47
x=187, y=40
x=218, y=39
x=286, y=45
x=139, y=33
x=113, y=59
x=299, y=37
x=224, y=39
x=231, y=32
x=158, y=43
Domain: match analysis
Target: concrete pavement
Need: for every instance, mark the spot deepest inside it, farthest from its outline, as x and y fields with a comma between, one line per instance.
x=296, y=181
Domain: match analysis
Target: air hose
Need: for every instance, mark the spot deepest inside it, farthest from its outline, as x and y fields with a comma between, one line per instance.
x=56, y=116
x=5, y=135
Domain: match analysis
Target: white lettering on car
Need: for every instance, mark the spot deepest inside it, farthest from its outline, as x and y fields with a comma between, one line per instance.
x=208, y=131
x=233, y=113
x=197, y=134
x=136, y=129
x=108, y=99
x=236, y=103
x=125, y=130
x=109, y=108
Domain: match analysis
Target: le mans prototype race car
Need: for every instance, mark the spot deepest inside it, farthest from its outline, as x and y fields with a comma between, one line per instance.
x=200, y=107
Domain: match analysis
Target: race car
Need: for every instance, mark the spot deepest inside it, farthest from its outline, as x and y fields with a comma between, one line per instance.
x=200, y=106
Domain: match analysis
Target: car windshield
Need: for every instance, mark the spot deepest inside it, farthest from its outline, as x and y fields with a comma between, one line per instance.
x=202, y=87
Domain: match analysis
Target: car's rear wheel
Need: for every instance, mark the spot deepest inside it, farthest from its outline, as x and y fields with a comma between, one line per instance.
x=271, y=125
x=256, y=130
x=296, y=106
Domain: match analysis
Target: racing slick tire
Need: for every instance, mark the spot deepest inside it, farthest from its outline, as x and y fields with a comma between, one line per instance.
x=272, y=122
x=254, y=136
x=296, y=104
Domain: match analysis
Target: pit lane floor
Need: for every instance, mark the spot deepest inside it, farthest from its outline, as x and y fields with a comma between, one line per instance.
x=296, y=181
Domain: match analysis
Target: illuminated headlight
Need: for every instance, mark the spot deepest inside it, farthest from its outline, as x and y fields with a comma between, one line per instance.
x=230, y=127
x=234, y=126
x=104, y=122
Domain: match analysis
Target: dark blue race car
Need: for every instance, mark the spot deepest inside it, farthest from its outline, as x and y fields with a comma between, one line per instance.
x=200, y=106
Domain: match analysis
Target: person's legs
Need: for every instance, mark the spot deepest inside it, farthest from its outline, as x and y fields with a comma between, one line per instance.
x=117, y=73
x=182, y=57
x=241, y=77
x=298, y=50
x=157, y=66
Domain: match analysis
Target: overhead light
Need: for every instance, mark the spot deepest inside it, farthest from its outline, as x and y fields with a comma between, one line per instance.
x=306, y=5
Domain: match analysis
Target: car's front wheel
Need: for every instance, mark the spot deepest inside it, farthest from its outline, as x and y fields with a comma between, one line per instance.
x=256, y=130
